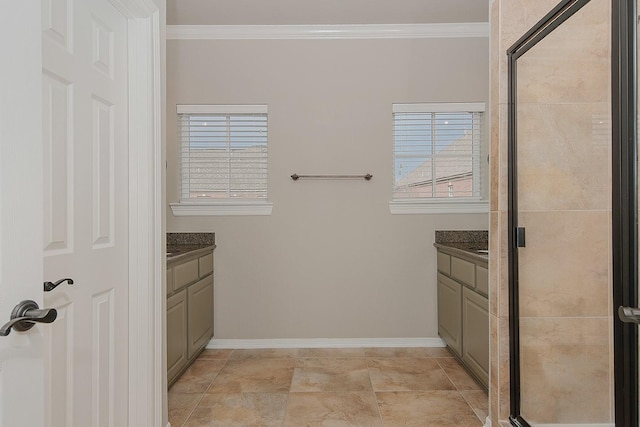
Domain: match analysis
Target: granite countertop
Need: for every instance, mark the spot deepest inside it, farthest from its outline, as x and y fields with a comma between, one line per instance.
x=180, y=245
x=472, y=243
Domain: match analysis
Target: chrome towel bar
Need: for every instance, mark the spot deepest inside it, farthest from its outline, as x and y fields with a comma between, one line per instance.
x=366, y=177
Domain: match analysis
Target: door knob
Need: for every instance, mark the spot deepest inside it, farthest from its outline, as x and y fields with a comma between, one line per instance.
x=25, y=315
x=629, y=314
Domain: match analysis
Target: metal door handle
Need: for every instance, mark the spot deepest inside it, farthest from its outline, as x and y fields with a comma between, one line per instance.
x=49, y=286
x=25, y=315
x=629, y=314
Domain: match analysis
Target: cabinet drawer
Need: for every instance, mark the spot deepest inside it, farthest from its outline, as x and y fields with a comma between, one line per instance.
x=464, y=271
x=176, y=334
x=450, y=312
x=169, y=280
x=482, y=280
x=200, y=301
x=186, y=273
x=206, y=265
x=475, y=339
x=444, y=263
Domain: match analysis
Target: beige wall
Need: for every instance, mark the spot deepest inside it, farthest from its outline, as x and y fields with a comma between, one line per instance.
x=564, y=203
x=331, y=261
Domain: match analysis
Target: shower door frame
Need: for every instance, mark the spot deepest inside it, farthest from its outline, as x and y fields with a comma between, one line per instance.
x=624, y=97
x=624, y=201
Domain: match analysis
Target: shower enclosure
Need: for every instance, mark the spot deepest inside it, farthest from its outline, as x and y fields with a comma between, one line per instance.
x=573, y=217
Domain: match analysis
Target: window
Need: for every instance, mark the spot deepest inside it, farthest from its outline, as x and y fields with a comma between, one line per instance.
x=436, y=157
x=223, y=160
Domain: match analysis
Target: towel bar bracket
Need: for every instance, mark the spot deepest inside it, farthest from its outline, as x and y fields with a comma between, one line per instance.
x=366, y=177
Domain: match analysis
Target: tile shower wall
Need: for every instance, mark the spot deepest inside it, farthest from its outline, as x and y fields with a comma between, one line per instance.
x=565, y=330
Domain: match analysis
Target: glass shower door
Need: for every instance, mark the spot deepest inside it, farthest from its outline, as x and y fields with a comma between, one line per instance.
x=561, y=218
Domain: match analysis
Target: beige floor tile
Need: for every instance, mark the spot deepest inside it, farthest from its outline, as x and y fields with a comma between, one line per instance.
x=265, y=353
x=180, y=406
x=458, y=375
x=397, y=352
x=404, y=374
x=198, y=376
x=439, y=352
x=331, y=352
x=254, y=375
x=239, y=410
x=331, y=375
x=438, y=408
x=329, y=387
x=479, y=402
x=346, y=409
x=215, y=354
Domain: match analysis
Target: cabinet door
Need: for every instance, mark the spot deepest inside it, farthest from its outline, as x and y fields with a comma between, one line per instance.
x=463, y=271
x=205, y=265
x=482, y=280
x=475, y=319
x=450, y=312
x=444, y=263
x=200, y=299
x=176, y=334
x=184, y=274
x=169, y=280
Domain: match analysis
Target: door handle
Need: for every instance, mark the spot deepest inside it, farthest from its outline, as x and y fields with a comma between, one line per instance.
x=49, y=286
x=629, y=314
x=25, y=315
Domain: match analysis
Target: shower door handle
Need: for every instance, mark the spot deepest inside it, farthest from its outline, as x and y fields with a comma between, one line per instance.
x=629, y=314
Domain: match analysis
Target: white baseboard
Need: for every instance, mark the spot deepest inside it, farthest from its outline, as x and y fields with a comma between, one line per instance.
x=324, y=343
x=574, y=425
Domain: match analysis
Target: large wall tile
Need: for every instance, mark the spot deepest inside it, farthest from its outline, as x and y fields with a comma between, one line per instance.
x=565, y=370
x=564, y=156
x=518, y=16
x=562, y=79
x=564, y=268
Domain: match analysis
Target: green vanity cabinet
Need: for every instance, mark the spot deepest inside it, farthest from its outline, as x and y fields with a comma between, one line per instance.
x=189, y=309
x=463, y=309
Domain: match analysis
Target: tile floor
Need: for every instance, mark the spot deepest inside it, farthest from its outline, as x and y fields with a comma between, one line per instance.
x=423, y=387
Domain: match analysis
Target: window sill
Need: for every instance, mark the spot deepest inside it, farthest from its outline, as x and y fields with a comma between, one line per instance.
x=442, y=206
x=226, y=208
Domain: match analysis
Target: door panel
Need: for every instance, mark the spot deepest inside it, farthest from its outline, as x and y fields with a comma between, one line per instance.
x=85, y=236
x=561, y=191
x=21, y=355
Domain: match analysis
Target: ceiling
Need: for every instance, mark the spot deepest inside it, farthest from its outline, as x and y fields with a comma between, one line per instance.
x=314, y=12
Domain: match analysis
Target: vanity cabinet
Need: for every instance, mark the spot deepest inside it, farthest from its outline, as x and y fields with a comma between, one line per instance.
x=189, y=310
x=177, y=357
x=450, y=312
x=463, y=315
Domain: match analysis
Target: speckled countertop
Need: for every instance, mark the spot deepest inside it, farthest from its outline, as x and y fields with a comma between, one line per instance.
x=472, y=243
x=180, y=245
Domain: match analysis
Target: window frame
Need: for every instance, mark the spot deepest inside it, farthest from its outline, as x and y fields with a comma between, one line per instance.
x=222, y=206
x=436, y=205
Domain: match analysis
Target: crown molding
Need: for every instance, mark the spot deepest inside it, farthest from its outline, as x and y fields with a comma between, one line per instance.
x=316, y=32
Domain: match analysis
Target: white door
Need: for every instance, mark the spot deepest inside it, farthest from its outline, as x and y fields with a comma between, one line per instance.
x=21, y=355
x=64, y=213
x=85, y=167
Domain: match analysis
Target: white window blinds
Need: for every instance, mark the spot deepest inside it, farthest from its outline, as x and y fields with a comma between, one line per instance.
x=436, y=151
x=223, y=152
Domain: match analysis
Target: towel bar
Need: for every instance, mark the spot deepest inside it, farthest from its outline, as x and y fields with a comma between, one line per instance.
x=366, y=177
